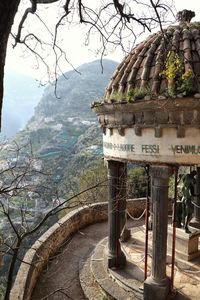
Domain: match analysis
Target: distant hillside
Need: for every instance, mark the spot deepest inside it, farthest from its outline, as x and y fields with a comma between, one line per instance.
x=66, y=139
x=21, y=94
x=63, y=131
x=76, y=90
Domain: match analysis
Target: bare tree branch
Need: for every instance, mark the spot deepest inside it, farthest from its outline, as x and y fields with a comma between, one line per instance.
x=112, y=21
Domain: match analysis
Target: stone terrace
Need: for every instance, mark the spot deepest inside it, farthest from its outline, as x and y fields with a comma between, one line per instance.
x=78, y=260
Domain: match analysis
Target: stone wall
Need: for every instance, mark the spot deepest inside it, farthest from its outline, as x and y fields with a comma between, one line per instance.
x=38, y=255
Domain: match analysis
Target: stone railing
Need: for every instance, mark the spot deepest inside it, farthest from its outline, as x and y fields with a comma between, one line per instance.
x=38, y=255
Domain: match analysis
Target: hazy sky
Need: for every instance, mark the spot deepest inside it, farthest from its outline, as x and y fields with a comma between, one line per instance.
x=77, y=53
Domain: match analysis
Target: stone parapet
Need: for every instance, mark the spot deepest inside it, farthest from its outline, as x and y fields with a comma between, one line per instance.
x=38, y=255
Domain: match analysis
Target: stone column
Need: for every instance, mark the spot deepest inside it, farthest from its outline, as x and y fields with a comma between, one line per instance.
x=157, y=286
x=195, y=222
x=150, y=224
x=116, y=212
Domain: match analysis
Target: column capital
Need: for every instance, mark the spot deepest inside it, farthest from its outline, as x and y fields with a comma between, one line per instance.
x=161, y=171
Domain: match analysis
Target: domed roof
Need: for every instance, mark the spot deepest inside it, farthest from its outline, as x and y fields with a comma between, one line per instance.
x=166, y=64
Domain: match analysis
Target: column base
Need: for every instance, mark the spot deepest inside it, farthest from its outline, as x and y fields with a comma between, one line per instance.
x=117, y=262
x=154, y=290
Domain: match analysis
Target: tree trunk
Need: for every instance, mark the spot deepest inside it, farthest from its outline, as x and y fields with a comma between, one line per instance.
x=8, y=10
x=11, y=270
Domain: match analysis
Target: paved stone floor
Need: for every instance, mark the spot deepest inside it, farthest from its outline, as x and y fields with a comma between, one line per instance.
x=60, y=279
x=186, y=274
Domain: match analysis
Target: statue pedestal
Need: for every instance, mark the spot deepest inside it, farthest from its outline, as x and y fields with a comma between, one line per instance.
x=194, y=224
x=186, y=244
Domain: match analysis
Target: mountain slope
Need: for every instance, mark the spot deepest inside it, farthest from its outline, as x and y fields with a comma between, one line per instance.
x=63, y=131
x=76, y=90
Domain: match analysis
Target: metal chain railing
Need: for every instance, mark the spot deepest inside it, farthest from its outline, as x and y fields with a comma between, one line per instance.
x=136, y=219
x=195, y=204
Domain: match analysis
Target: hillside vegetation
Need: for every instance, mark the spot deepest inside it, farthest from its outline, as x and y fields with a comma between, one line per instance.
x=63, y=132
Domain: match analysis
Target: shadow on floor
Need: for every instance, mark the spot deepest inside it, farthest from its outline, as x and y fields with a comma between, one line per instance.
x=180, y=296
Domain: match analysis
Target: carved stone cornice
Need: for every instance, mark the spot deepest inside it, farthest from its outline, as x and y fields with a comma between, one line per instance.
x=178, y=113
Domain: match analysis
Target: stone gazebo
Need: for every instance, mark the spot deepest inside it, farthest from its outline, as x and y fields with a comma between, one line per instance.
x=151, y=115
